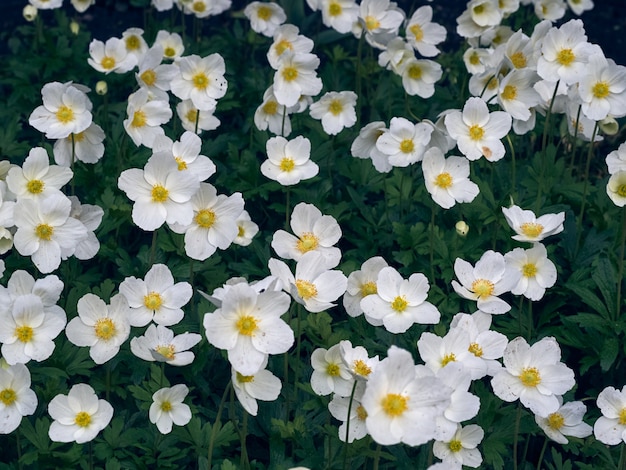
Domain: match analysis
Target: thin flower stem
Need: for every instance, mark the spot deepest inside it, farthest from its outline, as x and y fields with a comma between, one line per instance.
x=359, y=71
x=622, y=458
x=195, y=128
x=542, y=453
x=530, y=319
x=345, y=442
x=516, y=435
x=296, y=366
x=583, y=205
x=620, y=264
x=244, y=461
x=287, y=205
x=217, y=422
x=379, y=449
x=574, y=146
x=153, y=247
x=513, y=168
x=18, y=446
x=544, y=144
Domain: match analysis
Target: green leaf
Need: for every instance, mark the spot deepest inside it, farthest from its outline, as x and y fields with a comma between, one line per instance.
x=610, y=348
x=605, y=276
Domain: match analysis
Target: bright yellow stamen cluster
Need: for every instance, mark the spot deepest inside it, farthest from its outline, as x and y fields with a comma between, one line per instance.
x=159, y=193
x=443, y=180
x=530, y=377
x=166, y=406
x=82, y=419
x=476, y=132
x=264, y=12
x=149, y=77
x=407, y=146
x=399, y=304
x=200, y=81
x=394, y=404
x=44, y=231
x=133, y=43
x=105, y=329
x=369, y=288
x=287, y=164
x=8, y=396
x=24, y=333
x=247, y=325
x=205, y=218
x=565, y=57
x=518, y=59
x=417, y=32
x=307, y=242
x=107, y=63
x=509, y=93
x=482, y=287
x=447, y=359
x=531, y=229
x=167, y=351
x=270, y=108
x=65, y=114
x=153, y=301
x=600, y=90
x=306, y=289
x=290, y=74
x=335, y=107
x=139, y=119
x=556, y=421
x=334, y=9
x=361, y=368
x=529, y=270
x=332, y=369
x=180, y=163
x=282, y=45
x=621, y=190
x=622, y=416
x=35, y=186
x=244, y=379
x=455, y=445
x=198, y=7
x=475, y=349
x=415, y=72
x=371, y=23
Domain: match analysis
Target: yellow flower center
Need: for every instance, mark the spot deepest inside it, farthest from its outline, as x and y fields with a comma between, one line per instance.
x=368, y=288
x=518, y=59
x=407, y=146
x=247, y=325
x=133, y=43
x=417, y=31
x=241, y=232
x=149, y=77
x=271, y=108
x=82, y=419
x=24, y=333
x=244, y=379
x=200, y=80
x=455, y=445
x=198, y=7
x=307, y=242
x=287, y=164
x=476, y=132
x=556, y=421
x=159, y=193
x=530, y=377
x=65, y=114
x=181, y=164
x=35, y=186
x=361, y=413
x=8, y=396
x=371, y=23
x=105, y=329
x=509, y=93
x=531, y=229
x=447, y=359
x=77, y=137
x=399, y=304
x=334, y=9
x=394, y=404
x=169, y=52
x=167, y=351
x=335, y=107
x=479, y=9
x=361, y=368
x=622, y=417
x=600, y=90
x=107, y=62
x=475, y=349
x=264, y=12
x=482, y=287
x=621, y=190
x=474, y=58
x=306, y=289
x=443, y=180
x=139, y=119
x=290, y=74
x=332, y=369
x=415, y=72
x=166, y=406
x=282, y=45
x=153, y=301
x=192, y=115
x=205, y=218
x=565, y=57
x=44, y=231
x=529, y=270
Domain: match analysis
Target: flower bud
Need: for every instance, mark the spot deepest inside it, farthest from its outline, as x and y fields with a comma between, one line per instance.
x=29, y=12
x=102, y=88
x=461, y=228
x=609, y=126
x=74, y=27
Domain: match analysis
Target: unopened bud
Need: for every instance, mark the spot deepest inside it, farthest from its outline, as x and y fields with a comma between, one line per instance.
x=74, y=27
x=609, y=126
x=29, y=12
x=102, y=88
x=461, y=228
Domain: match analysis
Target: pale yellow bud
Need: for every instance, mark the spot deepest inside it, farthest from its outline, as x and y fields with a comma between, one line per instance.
x=29, y=12
x=609, y=126
x=102, y=88
x=74, y=27
x=461, y=228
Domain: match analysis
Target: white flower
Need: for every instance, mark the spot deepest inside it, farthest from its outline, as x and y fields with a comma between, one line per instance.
x=186, y=152
x=603, y=89
x=16, y=397
x=90, y=216
x=262, y=385
x=380, y=21
x=159, y=344
x=330, y=373
x=566, y=421
x=404, y=143
x=272, y=115
x=534, y=375
x=156, y=298
x=168, y=408
x=88, y=146
x=101, y=327
x=194, y=120
x=616, y=160
x=423, y=34
x=295, y=76
x=111, y=56
x=535, y=271
x=288, y=162
x=516, y=95
x=447, y=179
x=419, y=77
x=580, y=6
x=265, y=18
x=66, y=110
x=336, y=110
x=287, y=39
x=610, y=428
x=172, y=44
x=201, y=79
x=78, y=416
x=247, y=229
x=530, y=228
x=364, y=146
x=461, y=449
x=341, y=15
x=37, y=179
x=153, y=75
x=437, y=352
x=145, y=117
x=477, y=131
x=616, y=188
x=362, y=283
x=249, y=327
x=357, y=359
x=134, y=43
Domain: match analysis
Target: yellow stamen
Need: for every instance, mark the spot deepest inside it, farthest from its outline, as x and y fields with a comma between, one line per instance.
x=399, y=304
x=105, y=329
x=530, y=377
x=82, y=419
x=307, y=242
x=153, y=301
x=531, y=229
x=65, y=114
x=44, y=231
x=443, y=180
x=394, y=404
x=205, y=218
x=306, y=289
x=159, y=193
x=482, y=287
x=247, y=325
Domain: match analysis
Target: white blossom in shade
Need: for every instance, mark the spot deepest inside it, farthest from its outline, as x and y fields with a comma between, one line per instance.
x=616, y=160
x=616, y=188
x=362, y=283
x=145, y=117
x=289, y=162
x=167, y=408
x=341, y=15
x=81, y=6
x=88, y=146
x=172, y=44
x=65, y=110
x=312, y=232
x=262, y=385
x=159, y=343
x=153, y=75
x=423, y=34
x=364, y=146
x=485, y=344
x=186, y=152
x=485, y=12
x=265, y=17
x=101, y=327
x=580, y=6
x=534, y=270
x=534, y=375
x=349, y=411
x=248, y=326
x=272, y=116
x=519, y=51
x=551, y=10
x=155, y=298
x=396, y=53
x=603, y=88
x=134, y=43
x=28, y=330
x=530, y=228
x=564, y=53
x=246, y=229
x=214, y=222
x=400, y=406
x=194, y=120
x=16, y=397
x=475, y=59
x=90, y=216
x=160, y=191
x=477, y=131
x=201, y=80
x=46, y=4
x=419, y=77
x=516, y=95
x=78, y=416
x=404, y=143
x=48, y=289
x=37, y=179
x=566, y=421
x=447, y=179
x=110, y=56
x=314, y=285
x=336, y=111
x=380, y=20
x=357, y=359
x=330, y=372
x=610, y=428
x=461, y=449
x=399, y=303
x=287, y=39
x=484, y=282
x=437, y=352
x=162, y=5
x=296, y=76
x=46, y=232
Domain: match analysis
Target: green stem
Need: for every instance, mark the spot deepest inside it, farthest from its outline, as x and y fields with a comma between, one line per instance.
x=513, y=167
x=516, y=436
x=298, y=347
x=153, y=247
x=244, y=461
x=579, y=222
x=379, y=449
x=217, y=422
x=542, y=453
x=195, y=128
x=359, y=71
x=287, y=205
x=432, y=244
x=18, y=446
x=573, y=159
x=345, y=442
x=622, y=458
x=544, y=143
x=530, y=319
